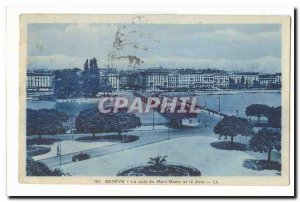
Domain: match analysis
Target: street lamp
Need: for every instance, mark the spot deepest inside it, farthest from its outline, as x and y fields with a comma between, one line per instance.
x=219, y=105
x=60, y=153
x=59, y=146
x=123, y=141
x=72, y=116
x=153, y=118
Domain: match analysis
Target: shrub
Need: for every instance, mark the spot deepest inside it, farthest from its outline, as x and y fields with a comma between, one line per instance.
x=35, y=168
x=254, y=164
x=44, y=141
x=110, y=138
x=80, y=157
x=37, y=150
x=224, y=145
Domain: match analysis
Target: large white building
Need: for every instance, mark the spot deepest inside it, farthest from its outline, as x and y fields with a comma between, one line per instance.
x=278, y=78
x=207, y=81
x=221, y=80
x=186, y=78
x=173, y=80
x=267, y=79
x=153, y=79
x=39, y=81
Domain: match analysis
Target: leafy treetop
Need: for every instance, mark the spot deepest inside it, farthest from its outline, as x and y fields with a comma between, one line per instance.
x=233, y=126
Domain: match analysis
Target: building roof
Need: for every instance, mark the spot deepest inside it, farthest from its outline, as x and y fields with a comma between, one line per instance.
x=246, y=73
x=40, y=72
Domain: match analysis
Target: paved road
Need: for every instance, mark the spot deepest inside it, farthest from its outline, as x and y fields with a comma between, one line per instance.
x=146, y=137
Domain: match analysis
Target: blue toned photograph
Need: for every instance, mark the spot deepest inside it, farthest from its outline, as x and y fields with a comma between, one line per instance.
x=154, y=100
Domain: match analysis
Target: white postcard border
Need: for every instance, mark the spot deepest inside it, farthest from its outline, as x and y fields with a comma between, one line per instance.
x=12, y=130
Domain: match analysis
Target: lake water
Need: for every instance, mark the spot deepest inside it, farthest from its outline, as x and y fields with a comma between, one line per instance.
x=229, y=103
x=73, y=109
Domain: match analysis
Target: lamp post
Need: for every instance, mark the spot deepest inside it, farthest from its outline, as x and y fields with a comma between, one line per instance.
x=153, y=118
x=60, y=153
x=59, y=146
x=219, y=105
x=72, y=116
x=123, y=142
x=57, y=139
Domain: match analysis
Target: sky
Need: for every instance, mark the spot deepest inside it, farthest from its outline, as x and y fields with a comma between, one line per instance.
x=231, y=47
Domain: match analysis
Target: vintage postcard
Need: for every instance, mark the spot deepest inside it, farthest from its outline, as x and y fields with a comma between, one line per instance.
x=154, y=99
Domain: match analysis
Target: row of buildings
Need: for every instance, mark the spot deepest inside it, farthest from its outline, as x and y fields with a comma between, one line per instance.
x=194, y=79
x=160, y=78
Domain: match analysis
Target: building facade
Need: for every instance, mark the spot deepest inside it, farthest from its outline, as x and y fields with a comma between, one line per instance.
x=173, y=80
x=110, y=77
x=154, y=79
x=186, y=78
x=245, y=78
x=39, y=81
x=159, y=78
x=278, y=78
x=267, y=79
x=221, y=80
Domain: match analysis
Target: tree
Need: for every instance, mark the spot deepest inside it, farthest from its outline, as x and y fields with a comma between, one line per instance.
x=122, y=121
x=232, y=83
x=256, y=84
x=94, y=66
x=247, y=83
x=67, y=84
x=85, y=80
x=93, y=121
x=258, y=110
x=233, y=126
x=265, y=141
x=94, y=80
x=86, y=65
x=243, y=81
x=90, y=78
x=45, y=122
x=274, y=118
